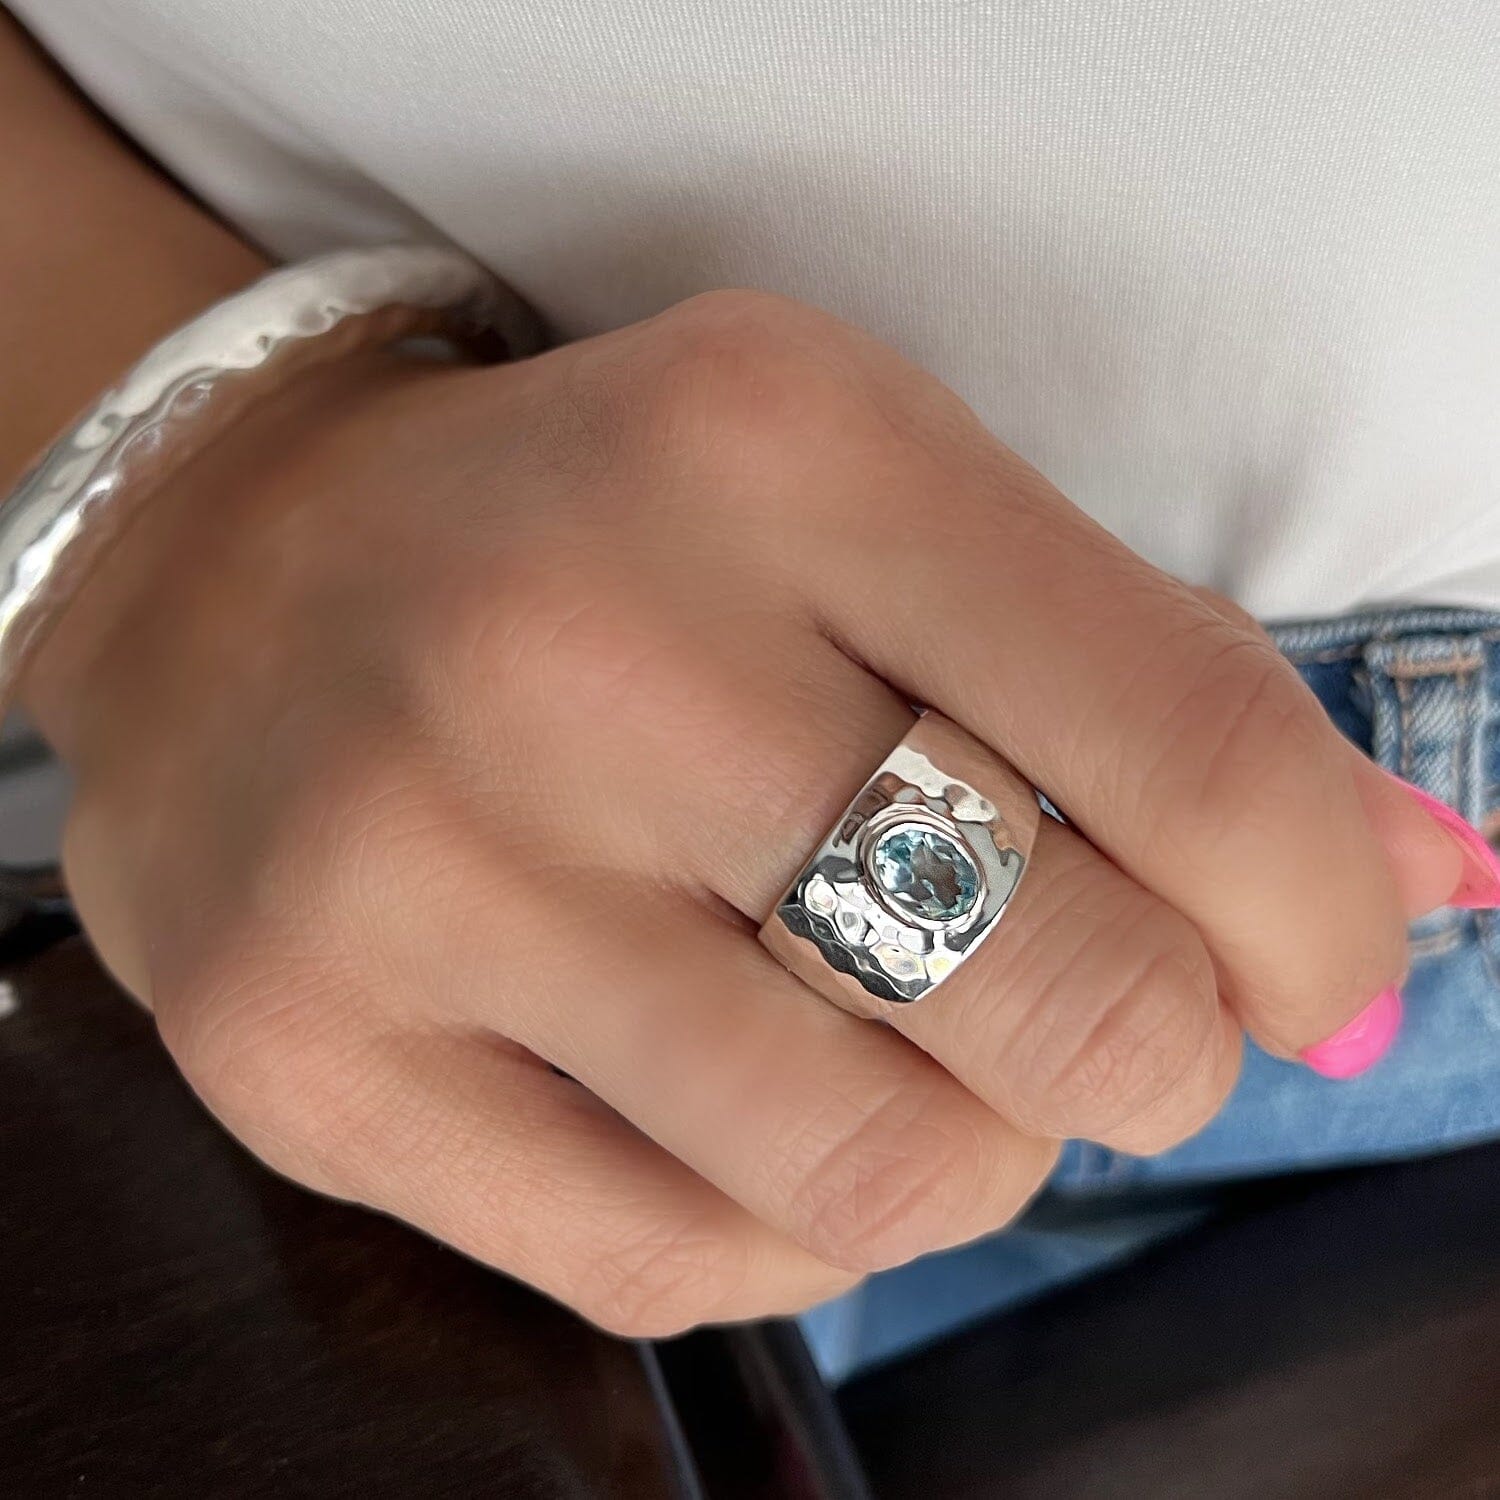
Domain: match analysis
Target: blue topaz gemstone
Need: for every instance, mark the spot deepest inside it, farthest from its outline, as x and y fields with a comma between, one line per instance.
x=925, y=874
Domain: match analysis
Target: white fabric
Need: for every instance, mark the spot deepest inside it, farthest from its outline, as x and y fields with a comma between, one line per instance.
x=1225, y=270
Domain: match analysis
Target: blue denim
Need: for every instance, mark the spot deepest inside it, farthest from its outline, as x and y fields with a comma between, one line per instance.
x=1418, y=690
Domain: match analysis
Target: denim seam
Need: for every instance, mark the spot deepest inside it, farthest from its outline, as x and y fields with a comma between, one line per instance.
x=1360, y=630
x=1448, y=927
x=1083, y=1171
x=1469, y=687
x=1457, y=666
x=1402, y=686
x=1333, y=654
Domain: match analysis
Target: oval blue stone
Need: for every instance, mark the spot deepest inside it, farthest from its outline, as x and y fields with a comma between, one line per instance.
x=926, y=873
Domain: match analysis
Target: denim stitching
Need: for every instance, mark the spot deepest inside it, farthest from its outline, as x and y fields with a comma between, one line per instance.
x=1469, y=703
x=1474, y=803
x=1403, y=719
x=1319, y=658
x=1359, y=630
x=1310, y=656
x=1410, y=668
x=1443, y=930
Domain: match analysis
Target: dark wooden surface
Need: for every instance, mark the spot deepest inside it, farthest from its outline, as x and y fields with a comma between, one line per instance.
x=1334, y=1338
x=178, y=1322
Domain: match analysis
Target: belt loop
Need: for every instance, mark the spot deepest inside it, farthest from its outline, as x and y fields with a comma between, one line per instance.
x=1430, y=708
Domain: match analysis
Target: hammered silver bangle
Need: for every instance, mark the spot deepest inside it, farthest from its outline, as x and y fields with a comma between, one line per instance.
x=62, y=516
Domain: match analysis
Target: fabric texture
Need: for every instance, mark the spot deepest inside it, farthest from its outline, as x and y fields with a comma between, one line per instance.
x=1226, y=272
x=1420, y=691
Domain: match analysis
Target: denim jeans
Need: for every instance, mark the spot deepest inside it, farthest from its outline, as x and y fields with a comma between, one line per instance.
x=1418, y=690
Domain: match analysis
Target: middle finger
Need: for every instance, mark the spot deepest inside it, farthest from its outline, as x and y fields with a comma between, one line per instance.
x=1092, y=1010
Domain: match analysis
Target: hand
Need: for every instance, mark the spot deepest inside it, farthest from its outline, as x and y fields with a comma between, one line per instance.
x=444, y=729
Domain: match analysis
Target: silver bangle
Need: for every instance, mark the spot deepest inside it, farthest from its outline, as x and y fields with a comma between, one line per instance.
x=60, y=519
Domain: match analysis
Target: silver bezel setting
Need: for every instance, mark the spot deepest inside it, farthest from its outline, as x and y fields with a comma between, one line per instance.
x=835, y=925
x=893, y=819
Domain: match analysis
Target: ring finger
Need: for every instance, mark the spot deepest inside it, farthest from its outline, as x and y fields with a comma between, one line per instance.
x=1092, y=1010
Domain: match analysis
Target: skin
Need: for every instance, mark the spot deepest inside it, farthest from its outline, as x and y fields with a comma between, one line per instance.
x=443, y=735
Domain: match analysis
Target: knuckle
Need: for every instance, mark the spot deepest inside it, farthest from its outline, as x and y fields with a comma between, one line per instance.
x=1246, y=742
x=876, y=1186
x=738, y=381
x=390, y=849
x=661, y=1283
x=261, y=1031
x=1196, y=1098
x=1251, y=779
x=739, y=323
x=1147, y=1065
x=1121, y=1031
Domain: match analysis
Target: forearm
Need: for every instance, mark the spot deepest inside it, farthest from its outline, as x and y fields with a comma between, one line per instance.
x=100, y=255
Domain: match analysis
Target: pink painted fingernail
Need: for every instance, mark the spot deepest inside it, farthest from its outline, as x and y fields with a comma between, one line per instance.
x=1357, y=1047
x=1479, y=886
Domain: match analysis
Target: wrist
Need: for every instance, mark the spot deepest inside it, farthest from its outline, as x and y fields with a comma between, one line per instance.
x=189, y=392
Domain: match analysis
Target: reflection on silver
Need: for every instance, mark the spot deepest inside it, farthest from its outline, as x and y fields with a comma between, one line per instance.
x=62, y=517
x=842, y=934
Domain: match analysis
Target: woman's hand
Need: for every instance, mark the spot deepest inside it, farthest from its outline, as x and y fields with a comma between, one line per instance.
x=443, y=732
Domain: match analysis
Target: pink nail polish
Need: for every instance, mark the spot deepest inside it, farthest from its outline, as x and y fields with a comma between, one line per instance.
x=1361, y=1044
x=1479, y=887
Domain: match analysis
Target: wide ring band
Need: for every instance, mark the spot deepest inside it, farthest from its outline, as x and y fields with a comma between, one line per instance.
x=913, y=876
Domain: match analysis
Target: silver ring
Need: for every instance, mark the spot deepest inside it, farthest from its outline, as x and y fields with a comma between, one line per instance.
x=914, y=875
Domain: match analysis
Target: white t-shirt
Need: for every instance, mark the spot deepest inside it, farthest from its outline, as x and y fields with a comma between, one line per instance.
x=1225, y=270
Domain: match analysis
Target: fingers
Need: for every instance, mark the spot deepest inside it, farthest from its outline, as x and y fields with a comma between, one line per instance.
x=493, y=1153
x=837, y=1133
x=1183, y=747
x=1426, y=863
x=1091, y=1011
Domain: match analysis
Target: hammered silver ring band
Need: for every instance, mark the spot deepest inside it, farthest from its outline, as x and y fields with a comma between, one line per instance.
x=912, y=878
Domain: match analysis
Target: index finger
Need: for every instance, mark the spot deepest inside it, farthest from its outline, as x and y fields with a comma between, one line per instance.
x=1185, y=747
